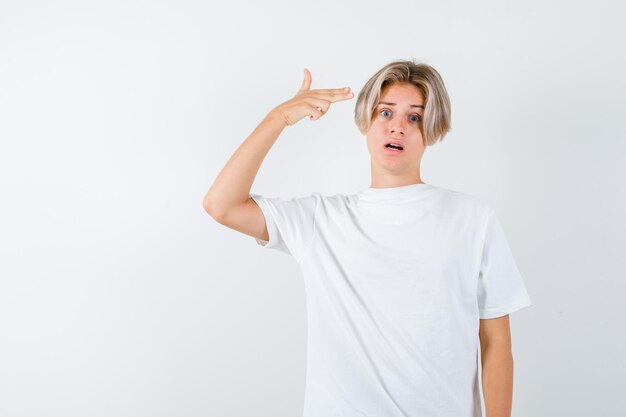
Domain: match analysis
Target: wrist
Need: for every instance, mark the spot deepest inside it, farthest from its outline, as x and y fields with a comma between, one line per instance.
x=276, y=118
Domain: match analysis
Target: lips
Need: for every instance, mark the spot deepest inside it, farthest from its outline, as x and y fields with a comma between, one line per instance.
x=391, y=151
x=394, y=145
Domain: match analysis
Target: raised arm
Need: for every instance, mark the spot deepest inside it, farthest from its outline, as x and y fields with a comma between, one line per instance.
x=228, y=200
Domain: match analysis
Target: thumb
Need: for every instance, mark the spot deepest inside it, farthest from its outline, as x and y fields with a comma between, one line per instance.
x=306, y=83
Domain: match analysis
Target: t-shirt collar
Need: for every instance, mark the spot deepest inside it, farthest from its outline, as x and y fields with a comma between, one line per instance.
x=391, y=194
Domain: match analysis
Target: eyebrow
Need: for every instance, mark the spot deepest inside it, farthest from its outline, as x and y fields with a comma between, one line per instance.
x=393, y=104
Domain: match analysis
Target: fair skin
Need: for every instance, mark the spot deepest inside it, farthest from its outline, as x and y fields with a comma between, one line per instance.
x=497, y=366
x=228, y=200
x=396, y=118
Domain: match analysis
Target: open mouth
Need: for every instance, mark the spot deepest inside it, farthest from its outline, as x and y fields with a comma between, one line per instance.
x=393, y=148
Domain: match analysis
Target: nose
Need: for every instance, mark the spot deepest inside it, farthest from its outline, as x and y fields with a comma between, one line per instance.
x=397, y=127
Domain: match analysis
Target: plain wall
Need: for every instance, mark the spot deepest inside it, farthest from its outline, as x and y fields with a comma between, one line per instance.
x=120, y=296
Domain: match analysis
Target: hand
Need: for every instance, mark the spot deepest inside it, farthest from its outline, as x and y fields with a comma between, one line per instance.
x=312, y=103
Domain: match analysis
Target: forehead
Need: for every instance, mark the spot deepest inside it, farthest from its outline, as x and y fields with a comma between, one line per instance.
x=402, y=92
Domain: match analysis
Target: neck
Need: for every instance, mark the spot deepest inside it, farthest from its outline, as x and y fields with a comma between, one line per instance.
x=385, y=179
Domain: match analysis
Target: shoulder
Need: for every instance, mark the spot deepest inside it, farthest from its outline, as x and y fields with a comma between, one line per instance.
x=333, y=199
x=467, y=202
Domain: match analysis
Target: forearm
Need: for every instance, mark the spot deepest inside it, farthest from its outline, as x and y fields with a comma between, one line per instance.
x=497, y=371
x=232, y=185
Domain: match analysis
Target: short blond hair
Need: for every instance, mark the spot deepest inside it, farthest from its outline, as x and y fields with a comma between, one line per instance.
x=437, y=112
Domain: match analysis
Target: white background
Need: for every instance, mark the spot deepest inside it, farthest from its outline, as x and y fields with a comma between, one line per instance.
x=120, y=296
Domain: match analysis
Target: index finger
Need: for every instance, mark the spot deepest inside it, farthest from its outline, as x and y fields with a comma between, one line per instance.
x=334, y=94
x=332, y=90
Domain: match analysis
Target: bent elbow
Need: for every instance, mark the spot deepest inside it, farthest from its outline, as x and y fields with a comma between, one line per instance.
x=211, y=209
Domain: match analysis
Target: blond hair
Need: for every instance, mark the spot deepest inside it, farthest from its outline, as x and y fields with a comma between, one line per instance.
x=437, y=112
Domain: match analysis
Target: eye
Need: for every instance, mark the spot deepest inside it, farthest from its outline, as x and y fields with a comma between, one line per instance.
x=414, y=117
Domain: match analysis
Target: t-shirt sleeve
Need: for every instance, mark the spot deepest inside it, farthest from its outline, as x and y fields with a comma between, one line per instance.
x=290, y=223
x=501, y=289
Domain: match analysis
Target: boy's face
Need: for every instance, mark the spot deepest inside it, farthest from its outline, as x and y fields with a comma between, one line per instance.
x=396, y=119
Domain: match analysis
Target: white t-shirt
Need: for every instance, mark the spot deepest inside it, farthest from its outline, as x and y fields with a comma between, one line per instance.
x=396, y=280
